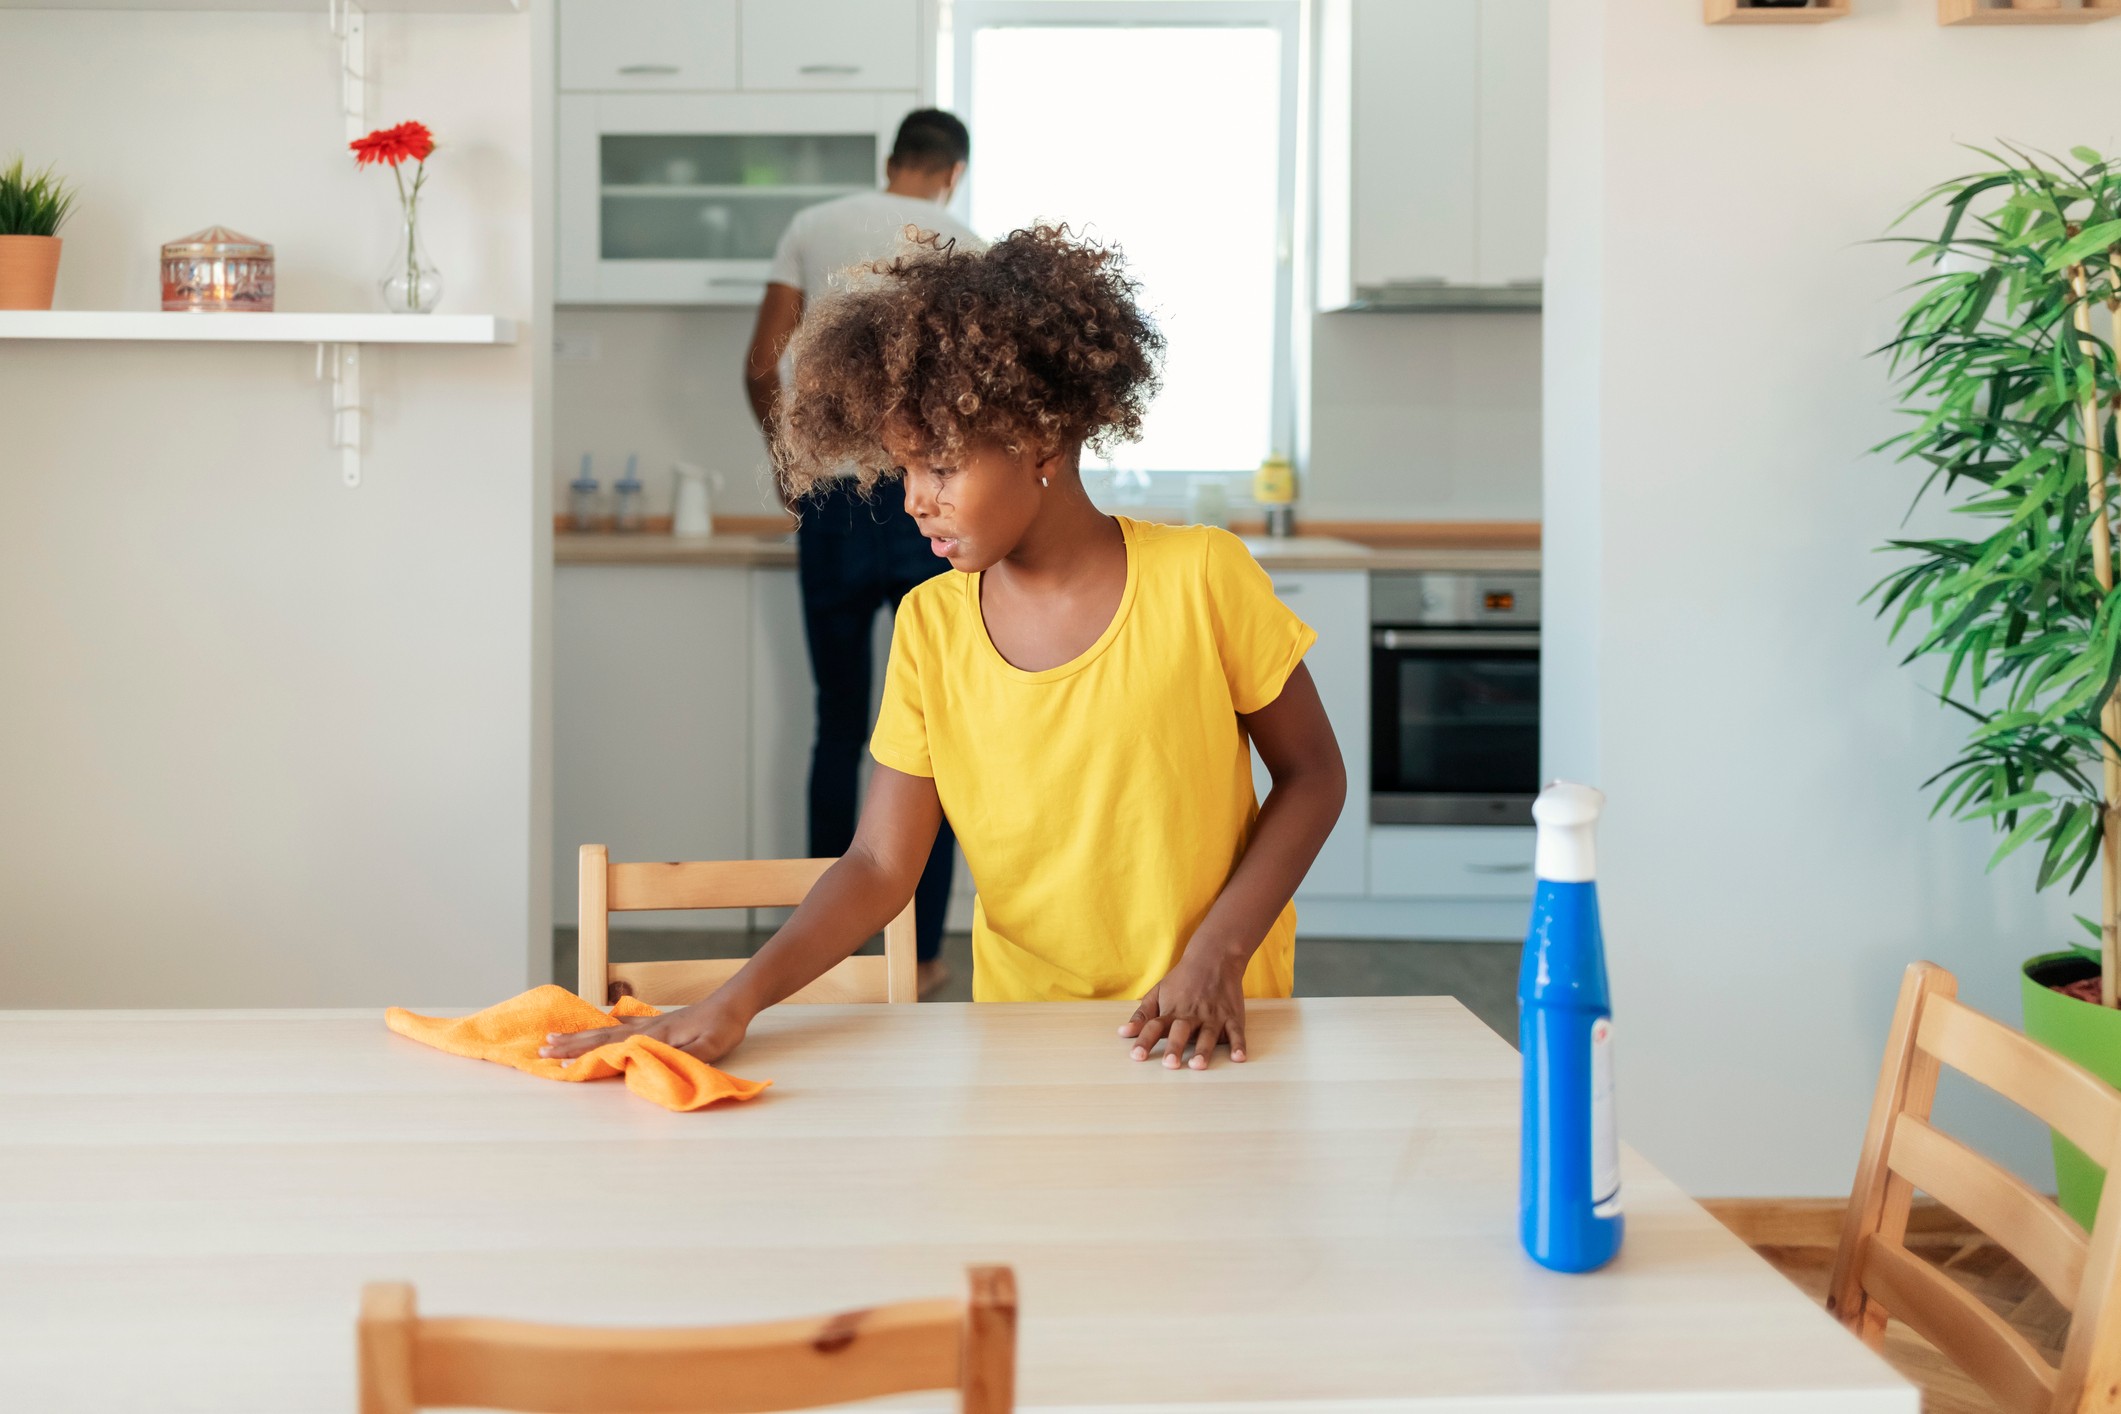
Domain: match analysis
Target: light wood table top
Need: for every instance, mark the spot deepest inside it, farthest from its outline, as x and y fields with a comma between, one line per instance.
x=190, y=1202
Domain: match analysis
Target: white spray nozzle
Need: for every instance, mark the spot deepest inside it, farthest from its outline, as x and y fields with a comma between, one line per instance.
x=1567, y=816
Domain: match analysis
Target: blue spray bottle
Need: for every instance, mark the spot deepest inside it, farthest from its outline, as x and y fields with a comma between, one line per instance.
x=1570, y=1180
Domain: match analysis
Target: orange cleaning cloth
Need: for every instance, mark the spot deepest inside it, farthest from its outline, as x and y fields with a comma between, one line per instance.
x=512, y=1031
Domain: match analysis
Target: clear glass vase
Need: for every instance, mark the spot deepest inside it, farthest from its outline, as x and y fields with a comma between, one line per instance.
x=410, y=283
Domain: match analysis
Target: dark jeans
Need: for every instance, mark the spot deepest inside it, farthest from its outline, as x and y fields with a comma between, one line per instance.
x=857, y=556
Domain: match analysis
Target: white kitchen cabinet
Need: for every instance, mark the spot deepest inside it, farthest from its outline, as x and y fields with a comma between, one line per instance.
x=650, y=721
x=1510, y=178
x=647, y=45
x=1336, y=604
x=682, y=198
x=1432, y=143
x=702, y=46
x=830, y=44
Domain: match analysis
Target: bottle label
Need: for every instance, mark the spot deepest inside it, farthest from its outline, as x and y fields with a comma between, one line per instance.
x=1605, y=1138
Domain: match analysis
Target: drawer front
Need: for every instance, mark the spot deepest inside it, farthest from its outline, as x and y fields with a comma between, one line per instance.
x=1430, y=861
x=648, y=45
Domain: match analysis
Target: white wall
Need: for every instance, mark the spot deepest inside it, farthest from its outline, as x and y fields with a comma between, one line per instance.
x=269, y=740
x=667, y=384
x=1768, y=867
x=1424, y=417
x=1414, y=416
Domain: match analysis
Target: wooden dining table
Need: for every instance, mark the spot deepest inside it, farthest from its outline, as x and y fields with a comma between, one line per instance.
x=190, y=1202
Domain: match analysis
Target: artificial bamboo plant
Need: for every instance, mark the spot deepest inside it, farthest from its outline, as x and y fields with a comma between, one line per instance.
x=2007, y=360
x=32, y=203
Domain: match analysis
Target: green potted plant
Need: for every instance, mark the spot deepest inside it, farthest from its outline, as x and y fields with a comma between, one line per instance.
x=2013, y=382
x=33, y=206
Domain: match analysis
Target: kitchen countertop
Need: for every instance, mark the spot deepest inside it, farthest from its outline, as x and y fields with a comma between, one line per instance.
x=1303, y=552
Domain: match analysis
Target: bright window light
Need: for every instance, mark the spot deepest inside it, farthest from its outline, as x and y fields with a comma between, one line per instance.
x=1168, y=142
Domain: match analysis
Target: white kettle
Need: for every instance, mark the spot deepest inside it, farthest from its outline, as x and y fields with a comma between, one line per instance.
x=691, y=514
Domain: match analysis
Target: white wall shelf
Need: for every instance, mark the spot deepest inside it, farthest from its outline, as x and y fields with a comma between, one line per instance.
x=256, y=328
x=338, y=338
x=428, y=7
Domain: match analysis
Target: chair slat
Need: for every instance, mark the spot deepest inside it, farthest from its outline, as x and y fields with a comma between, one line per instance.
x=2070, y=1098
x=743, y=1370
x=1996, y=1201
x=1942, y=1312
x=738, y=883
x=731, y=883
x=675, y=984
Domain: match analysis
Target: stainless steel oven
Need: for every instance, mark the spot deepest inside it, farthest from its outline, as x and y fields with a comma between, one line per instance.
x=1454, y=698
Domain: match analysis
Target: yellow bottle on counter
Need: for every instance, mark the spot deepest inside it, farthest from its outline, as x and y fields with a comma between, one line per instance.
x=1274, y=489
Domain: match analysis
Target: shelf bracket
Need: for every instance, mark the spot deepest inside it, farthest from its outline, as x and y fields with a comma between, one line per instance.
x=341, y=363
x=349, y=25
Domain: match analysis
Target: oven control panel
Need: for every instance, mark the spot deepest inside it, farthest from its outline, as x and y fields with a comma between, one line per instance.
x=1455, y=598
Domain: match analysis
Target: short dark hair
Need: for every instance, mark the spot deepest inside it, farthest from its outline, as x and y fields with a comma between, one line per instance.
x=929, y=137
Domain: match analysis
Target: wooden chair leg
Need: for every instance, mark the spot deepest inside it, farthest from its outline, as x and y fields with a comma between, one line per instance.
x=2090, y=1378
x=1907, y=1084
x=384, y=1338
x=902, y=958
x=987, y=1382
x=593, y=927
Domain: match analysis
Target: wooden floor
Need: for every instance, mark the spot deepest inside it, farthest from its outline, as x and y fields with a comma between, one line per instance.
x=1798, y=1239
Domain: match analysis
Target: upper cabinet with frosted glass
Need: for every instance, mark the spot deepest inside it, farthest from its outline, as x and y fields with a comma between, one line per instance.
x=1432, y=153
x=692, y=131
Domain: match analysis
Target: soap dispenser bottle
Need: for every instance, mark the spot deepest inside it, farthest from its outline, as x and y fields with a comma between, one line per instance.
x=1569, y=1194
x=584, y=504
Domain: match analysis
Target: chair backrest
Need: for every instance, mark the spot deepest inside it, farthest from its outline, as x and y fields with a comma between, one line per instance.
x=1876, y=1276
x=410, y=1362
x=608, y=888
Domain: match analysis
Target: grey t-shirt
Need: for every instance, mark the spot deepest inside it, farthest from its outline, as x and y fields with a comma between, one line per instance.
x=825, y=240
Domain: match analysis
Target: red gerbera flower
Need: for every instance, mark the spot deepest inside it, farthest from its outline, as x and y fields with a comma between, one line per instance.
x=407, y=142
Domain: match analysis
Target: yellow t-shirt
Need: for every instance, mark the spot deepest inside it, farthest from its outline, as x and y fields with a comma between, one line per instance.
x=1101, y=804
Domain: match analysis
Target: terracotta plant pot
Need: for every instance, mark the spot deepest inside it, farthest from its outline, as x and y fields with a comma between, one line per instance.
x=2086, y=1033
x=29, y=268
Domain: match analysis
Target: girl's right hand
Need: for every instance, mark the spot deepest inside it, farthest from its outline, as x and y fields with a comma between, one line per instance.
x=704, y=1029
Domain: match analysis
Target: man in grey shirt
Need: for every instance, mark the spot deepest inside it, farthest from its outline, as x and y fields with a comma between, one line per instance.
x=858, y=555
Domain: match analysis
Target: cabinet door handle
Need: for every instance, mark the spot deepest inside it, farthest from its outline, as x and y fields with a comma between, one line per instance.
x=830, y=69
x=1396, y=639
x=647, y=69
x=1498, y=868
x=734, y=280
x=1287, y=589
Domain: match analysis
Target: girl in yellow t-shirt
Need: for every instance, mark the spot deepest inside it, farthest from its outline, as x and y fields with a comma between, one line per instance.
x=1078, y=698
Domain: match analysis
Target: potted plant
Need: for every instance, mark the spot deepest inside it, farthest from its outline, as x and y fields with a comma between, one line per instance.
x=33, y=206
x=2008, y=363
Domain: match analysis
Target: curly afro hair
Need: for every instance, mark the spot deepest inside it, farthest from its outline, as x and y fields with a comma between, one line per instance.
x=1035, y=342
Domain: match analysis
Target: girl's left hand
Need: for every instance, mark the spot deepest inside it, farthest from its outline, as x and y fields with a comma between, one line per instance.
x=1200, y=1002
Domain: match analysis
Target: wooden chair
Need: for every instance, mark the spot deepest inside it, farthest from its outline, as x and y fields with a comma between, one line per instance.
x=1875, y=1275
x=410, y=1362
x=608, y=888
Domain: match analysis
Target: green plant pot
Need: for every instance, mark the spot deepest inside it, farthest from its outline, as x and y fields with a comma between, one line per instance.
x=2086, y=1033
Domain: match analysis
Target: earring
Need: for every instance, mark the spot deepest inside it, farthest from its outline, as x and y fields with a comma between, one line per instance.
x=1042, y=481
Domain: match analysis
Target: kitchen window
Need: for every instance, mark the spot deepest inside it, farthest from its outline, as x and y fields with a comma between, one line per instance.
x=1168, y=127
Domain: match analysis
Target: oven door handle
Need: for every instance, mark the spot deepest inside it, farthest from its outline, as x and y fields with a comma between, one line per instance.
x=1397, y=638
